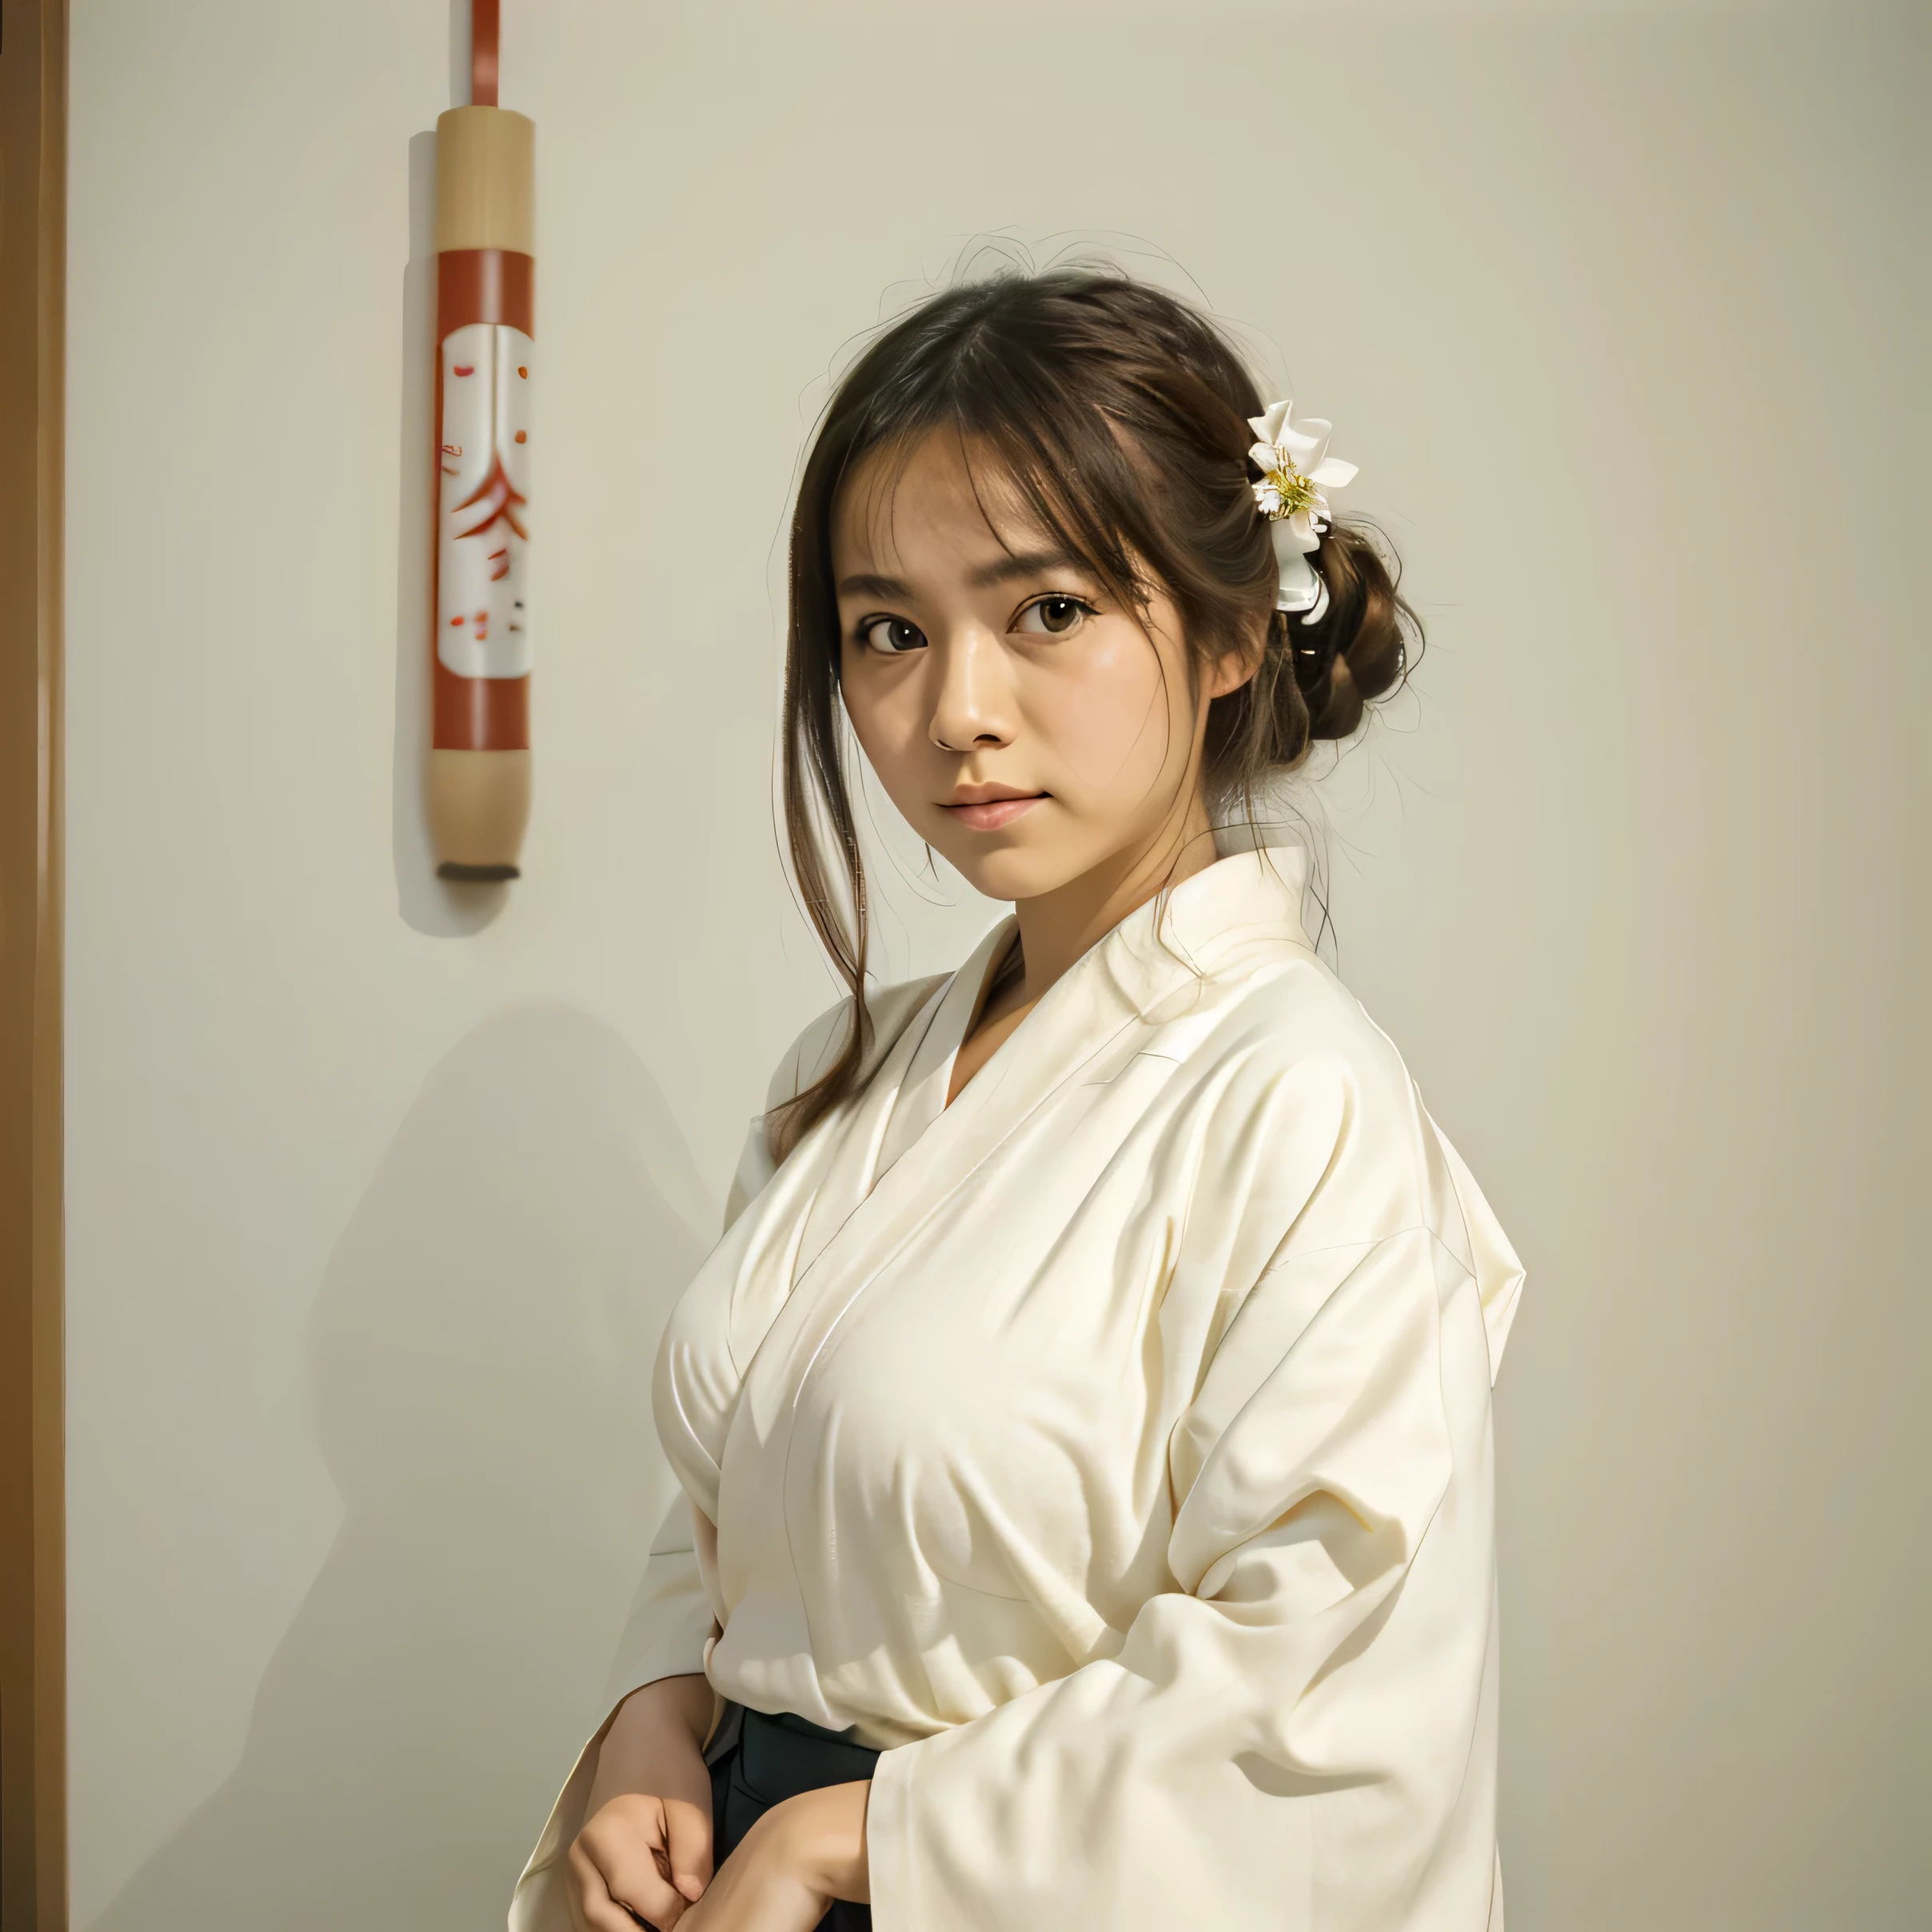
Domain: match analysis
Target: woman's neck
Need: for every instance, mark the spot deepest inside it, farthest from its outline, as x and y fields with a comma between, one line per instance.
x=1058, y=927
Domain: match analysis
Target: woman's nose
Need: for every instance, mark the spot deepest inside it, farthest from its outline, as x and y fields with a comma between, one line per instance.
x=972, y=709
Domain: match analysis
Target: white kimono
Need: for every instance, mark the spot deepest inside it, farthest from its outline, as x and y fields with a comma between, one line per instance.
x=1113, y=1449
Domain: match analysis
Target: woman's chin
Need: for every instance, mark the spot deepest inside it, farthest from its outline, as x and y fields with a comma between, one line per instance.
x=1010, y=872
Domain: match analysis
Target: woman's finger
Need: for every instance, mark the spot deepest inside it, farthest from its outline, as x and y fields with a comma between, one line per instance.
x=688, y=1831
x=592, y=1907
x=625, y=1842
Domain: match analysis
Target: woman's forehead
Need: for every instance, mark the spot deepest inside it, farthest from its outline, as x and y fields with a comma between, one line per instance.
x=936, y=492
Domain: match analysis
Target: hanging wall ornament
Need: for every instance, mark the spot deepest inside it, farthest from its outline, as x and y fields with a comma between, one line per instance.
x=486, y=369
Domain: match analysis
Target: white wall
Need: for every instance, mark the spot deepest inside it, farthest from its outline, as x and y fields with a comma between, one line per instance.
x=378, y=1192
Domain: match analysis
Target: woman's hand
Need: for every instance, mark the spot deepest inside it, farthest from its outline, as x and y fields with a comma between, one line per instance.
x=645, y=1853
x=794, y=1861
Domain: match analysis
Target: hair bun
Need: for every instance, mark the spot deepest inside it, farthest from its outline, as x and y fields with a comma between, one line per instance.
x=1360, y=647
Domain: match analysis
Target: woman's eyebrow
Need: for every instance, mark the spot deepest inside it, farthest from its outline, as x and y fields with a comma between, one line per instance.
x=864, y=585
x=1017, y=563
x=1027, y=563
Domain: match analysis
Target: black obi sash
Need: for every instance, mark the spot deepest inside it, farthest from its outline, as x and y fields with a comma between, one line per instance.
x=774, y=1759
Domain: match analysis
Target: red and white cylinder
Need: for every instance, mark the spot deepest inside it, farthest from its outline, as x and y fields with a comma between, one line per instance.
x=483, y=648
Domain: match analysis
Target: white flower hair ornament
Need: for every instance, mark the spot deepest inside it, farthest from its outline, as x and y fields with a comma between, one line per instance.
x=1296, y=471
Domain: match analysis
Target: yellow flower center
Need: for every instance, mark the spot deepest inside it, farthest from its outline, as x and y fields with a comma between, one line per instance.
x=1297, y=492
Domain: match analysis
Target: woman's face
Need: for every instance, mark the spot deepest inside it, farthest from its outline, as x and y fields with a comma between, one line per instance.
x=1025, y=725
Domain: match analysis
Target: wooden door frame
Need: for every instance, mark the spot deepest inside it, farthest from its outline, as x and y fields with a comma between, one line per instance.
x=33, y=1472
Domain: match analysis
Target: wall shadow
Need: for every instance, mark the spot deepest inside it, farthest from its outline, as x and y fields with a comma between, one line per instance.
x=432, y=905
x=481, y=1347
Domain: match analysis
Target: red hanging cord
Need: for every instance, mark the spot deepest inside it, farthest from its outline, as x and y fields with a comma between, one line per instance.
x=483, y=23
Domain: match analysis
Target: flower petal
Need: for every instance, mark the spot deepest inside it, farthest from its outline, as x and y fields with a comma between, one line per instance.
x=1289, y=541
x=1333, y=474
x=1264, y=456
x=1297, y=587
x=1267, y=425
x=1307, y=442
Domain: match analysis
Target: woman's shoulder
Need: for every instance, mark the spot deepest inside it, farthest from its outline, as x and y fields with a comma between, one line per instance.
x=889, y=1009
x=1364, y=1160
x=1289, y=1016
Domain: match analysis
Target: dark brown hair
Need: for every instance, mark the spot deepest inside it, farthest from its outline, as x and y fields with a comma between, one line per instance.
x=1119, y=415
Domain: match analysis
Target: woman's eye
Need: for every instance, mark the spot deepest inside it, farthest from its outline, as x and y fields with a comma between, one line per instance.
x=1054, y=615
x=892, y=634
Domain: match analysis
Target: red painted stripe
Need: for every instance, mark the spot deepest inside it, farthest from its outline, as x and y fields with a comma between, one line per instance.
x=480, y=714
x=485, y=284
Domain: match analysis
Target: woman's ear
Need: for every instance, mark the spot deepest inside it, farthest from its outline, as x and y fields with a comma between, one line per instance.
x=1236, y=666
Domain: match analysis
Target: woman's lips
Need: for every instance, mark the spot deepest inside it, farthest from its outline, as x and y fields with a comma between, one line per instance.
x=990, y=814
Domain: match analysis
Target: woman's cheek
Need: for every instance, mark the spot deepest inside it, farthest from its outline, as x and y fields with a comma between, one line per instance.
x=895, y=747
x=1108, y=732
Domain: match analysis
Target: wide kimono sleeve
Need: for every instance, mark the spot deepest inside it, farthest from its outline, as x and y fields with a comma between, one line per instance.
x=1300, y=1732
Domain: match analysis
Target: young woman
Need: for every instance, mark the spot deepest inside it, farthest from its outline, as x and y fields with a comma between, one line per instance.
x=1085, y=1418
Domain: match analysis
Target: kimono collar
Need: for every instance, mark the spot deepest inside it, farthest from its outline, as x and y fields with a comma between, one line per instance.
x=1249, y=901
x=1153, y=967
